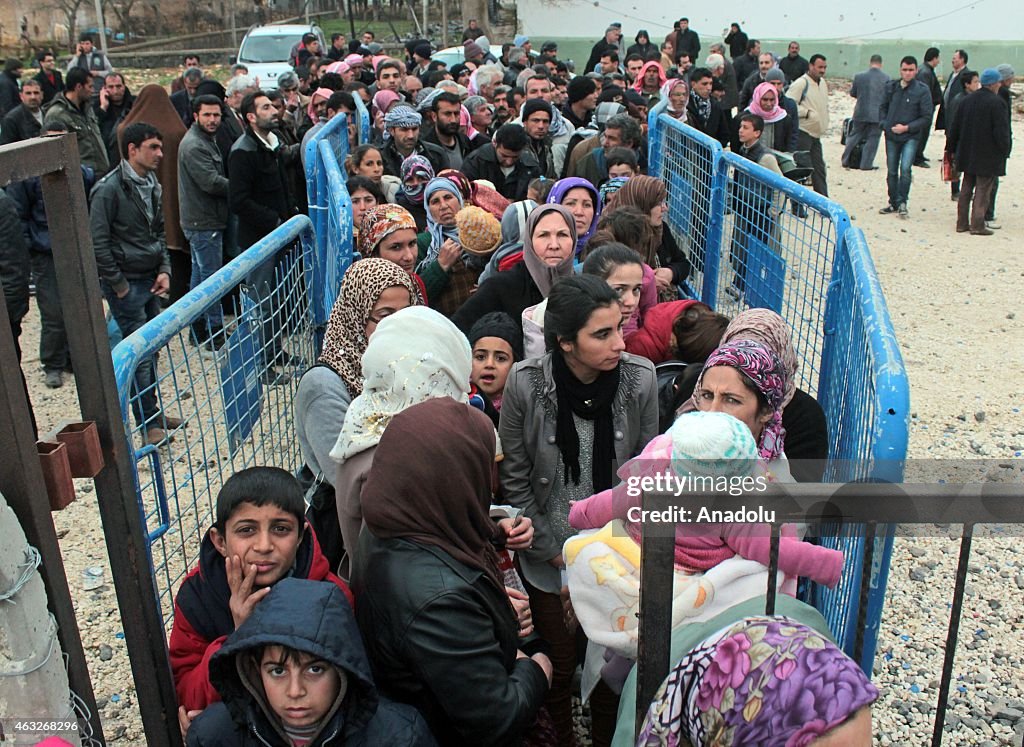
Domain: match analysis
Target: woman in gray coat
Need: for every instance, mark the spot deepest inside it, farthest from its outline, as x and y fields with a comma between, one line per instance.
x=567, y=419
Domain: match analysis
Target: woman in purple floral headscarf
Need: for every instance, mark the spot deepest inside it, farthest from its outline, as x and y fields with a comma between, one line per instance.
x=748, y=381
x=762, y=681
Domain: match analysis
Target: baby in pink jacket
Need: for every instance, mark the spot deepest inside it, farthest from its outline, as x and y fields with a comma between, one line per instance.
x=718, y=445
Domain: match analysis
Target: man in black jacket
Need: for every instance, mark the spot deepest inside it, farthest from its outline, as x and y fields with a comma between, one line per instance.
x=127, y=224
x=980, y=139
x=747, y=63
x=403, y=125
x=9, y=87
x=687, y=40
x=926, y=74
x=115, y=102
x=258, y=195
x=445, y=132
x=706, y=113
x=182, y=100
x=14, y=276
x=906, y=112
x=506, y=162
x=49, y=76
x=26, y=119
x=793, y=65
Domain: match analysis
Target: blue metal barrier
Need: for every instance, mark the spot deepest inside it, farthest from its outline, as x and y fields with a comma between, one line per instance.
x=757, y=239
x=236, y=402
x=330, y=206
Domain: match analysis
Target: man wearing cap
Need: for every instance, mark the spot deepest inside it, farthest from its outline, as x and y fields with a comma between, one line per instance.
x=421, y=59
x=402, y=125
x=473, y=52
x=610, y=43
x=537, y=116
x=869, y=90
x=1006, y=74
x=906, y=111
x=523, y=41
x=549, y=50
x=980, y=138
x=582, y=101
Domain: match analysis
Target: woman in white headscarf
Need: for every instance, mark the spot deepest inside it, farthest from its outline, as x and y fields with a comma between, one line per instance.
x=414, y=355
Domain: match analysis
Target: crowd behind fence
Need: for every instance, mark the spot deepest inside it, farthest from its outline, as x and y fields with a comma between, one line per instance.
x=797, y=255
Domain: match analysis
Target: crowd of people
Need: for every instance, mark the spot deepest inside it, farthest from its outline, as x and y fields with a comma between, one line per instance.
x=904, y=110
x=512, y=349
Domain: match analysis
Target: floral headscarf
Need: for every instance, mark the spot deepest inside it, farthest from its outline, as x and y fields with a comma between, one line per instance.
x=345, y=338
x=666, y=95
x=610, y=187
x=763, y=680
x=379, y=223
x=439, y=233
x=562, y=188
x=416, y=165
x=764, y=369
x=769, y=329
x=638, y=84
x=768, y=115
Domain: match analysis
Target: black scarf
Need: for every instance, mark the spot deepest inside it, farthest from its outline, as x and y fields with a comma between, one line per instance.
x=591, y=402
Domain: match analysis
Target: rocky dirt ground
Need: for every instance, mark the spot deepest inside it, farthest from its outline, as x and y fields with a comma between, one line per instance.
x=956, y=305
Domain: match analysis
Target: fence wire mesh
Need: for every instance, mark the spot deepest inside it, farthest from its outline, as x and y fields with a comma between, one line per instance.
x=232, y=396
x=757, y=239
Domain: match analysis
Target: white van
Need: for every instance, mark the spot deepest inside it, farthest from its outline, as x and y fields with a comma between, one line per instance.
x=266, y=50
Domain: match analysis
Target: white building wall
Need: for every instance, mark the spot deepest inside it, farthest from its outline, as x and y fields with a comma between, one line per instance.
x=939, y=20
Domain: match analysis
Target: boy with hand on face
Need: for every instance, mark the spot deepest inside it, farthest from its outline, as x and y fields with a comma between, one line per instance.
x=260, y=537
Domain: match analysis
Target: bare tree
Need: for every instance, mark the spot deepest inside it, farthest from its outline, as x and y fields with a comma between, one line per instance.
x=123, y=11
x=70, y=10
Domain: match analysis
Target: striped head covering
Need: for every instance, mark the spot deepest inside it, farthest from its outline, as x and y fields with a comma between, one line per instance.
x=380, y=222
x=345, y=338
x=769, y=329
x=610, y=187
x=764, y=369
x=416, y=165
x=402, y=116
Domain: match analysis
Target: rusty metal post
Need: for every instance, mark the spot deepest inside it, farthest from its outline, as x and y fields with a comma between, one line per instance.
x=56, y=160
x=22, y=481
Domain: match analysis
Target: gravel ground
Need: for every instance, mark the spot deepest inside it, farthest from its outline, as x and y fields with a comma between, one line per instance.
x=955, y=302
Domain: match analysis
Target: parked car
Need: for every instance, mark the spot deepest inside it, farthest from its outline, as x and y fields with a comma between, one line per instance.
x=266, y=50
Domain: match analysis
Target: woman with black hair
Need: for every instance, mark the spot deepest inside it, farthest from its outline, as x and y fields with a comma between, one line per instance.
x=567, y=418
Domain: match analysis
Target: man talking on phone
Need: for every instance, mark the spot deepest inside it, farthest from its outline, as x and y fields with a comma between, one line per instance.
x=91, y=60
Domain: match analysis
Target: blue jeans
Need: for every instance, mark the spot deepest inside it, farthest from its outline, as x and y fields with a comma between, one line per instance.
x=130, y=313
x=207, y=258
x=899, y=159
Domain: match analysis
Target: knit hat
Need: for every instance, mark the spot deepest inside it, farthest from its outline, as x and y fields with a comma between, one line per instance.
x=520, y=40
x=501, y=325
x=579, y=88
x=989, y=76
x=374, y=48
x=712, y=443
x=472, y=50
x=532, y=106
x=549, y=46
x=479, y=231
x=1005, y=72
x=775, y=74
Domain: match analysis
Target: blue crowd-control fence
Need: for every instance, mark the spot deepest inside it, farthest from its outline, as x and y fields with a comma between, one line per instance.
x=330, y=207
x=234, y=397
x=758, y=239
